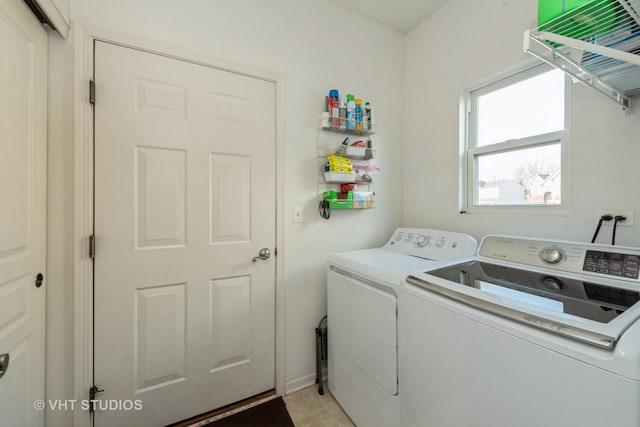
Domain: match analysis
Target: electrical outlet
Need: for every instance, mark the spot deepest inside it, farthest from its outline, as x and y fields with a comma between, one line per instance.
x=298, y=214
x=613, y=212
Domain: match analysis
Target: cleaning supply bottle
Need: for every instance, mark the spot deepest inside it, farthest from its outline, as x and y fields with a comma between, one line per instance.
x=343, y=115
x=334, y=111
x=367, y=109
x=351, y=112
x=359, y=123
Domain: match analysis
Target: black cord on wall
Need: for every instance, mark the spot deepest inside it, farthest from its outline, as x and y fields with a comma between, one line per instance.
x=615, y=224
x=602, y=218
x=324, y=208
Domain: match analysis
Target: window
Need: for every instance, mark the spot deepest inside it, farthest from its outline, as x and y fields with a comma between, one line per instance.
x=515, y=144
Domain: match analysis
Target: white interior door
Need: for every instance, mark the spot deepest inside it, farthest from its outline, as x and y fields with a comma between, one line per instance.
x=23, y=153
x=184, y=200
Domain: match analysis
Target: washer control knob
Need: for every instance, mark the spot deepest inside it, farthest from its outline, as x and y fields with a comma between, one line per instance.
x=421, y=240
x=408, y=237
x=398, y=237
x=440, y=242
x=551, y=255
x=552, y=284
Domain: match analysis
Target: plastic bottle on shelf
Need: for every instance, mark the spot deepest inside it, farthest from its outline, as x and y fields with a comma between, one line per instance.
x=343, y=115
x=351, y=112
x=359, y=115
x=334, y=110
x=364, y=119
x=367, y=109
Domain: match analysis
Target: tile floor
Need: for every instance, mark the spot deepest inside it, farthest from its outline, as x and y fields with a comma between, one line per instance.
x=308, y=409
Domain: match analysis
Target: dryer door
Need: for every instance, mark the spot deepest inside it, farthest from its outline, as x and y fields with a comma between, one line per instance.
x=362, y=325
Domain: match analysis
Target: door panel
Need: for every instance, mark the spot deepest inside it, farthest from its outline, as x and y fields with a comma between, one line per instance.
x=230, y=326
x=160, y=197
x=23, y=152
x=160, y=342
x=230, y=198
x=185, y=198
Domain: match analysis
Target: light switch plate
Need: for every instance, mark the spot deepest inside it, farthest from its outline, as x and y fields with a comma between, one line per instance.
x=298, y=214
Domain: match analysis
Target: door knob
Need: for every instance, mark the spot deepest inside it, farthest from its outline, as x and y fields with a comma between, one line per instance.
x=4, y=363
x=264, y=253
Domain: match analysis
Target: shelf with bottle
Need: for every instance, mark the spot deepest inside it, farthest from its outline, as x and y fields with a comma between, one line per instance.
x=358, y=177
x=348, y=114
x=346, y=186
x=346, y=170
x=357, y=150
x=350, y=199
x=347, y=162
x=361, y=172
x=327, y=120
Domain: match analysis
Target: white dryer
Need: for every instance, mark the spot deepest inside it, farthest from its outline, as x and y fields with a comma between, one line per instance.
x=362, y=322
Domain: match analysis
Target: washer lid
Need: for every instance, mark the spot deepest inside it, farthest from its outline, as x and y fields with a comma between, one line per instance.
x=574, y=306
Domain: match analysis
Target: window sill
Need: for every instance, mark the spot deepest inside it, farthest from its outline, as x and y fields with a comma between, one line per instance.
x=517, y=209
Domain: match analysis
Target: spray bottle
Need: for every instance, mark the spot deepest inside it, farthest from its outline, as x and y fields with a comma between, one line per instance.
x=334, y=111
x=359, y=115
x=351, y=112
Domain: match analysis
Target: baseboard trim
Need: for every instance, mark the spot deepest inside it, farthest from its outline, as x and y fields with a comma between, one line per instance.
x=303, y=382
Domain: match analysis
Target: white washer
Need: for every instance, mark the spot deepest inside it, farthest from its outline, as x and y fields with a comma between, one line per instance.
x=530, y=333
x=362, y=317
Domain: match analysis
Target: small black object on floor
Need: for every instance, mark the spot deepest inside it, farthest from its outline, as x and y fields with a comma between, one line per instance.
x=269, y=414
x=321, y=351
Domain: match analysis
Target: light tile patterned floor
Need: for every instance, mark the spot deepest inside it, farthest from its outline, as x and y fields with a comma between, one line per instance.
x=309, y=409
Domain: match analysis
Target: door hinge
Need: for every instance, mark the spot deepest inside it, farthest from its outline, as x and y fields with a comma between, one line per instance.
x=92, y=397
x=92, y=92
x=92, y=246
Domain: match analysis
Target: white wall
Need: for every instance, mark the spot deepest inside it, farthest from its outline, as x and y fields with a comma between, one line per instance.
x=314, y=46
x=467, y=41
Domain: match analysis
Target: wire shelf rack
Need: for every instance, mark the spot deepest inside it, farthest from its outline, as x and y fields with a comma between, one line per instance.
x=597, y=43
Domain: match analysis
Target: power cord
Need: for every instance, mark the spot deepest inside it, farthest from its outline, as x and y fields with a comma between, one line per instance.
x=324, y=208
x=602, y=218
x=615, y=224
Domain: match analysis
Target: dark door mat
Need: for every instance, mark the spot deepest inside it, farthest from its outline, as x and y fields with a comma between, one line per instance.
x=269, y=414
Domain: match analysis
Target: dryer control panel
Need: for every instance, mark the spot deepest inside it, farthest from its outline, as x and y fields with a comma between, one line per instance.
x=439, y=245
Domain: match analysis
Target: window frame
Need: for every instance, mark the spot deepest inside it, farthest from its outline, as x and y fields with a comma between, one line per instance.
x=469, y=151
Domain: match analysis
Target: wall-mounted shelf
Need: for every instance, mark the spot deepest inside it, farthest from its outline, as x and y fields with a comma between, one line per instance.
x=597, y=43
x=364, y=132
x=364, y=171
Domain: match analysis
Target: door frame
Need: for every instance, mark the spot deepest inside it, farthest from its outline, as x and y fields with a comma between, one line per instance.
x=84, y=38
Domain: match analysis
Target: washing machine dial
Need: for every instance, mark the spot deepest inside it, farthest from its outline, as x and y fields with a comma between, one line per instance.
x=397, y=237
x=552, y=284
x=421, y=240
x=440, y=242
x=408, y=237
x=551, y=255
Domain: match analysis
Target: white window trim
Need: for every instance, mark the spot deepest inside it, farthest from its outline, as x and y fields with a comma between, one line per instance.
x=468, y=163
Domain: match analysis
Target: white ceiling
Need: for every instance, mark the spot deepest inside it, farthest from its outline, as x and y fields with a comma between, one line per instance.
x=400, y=15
